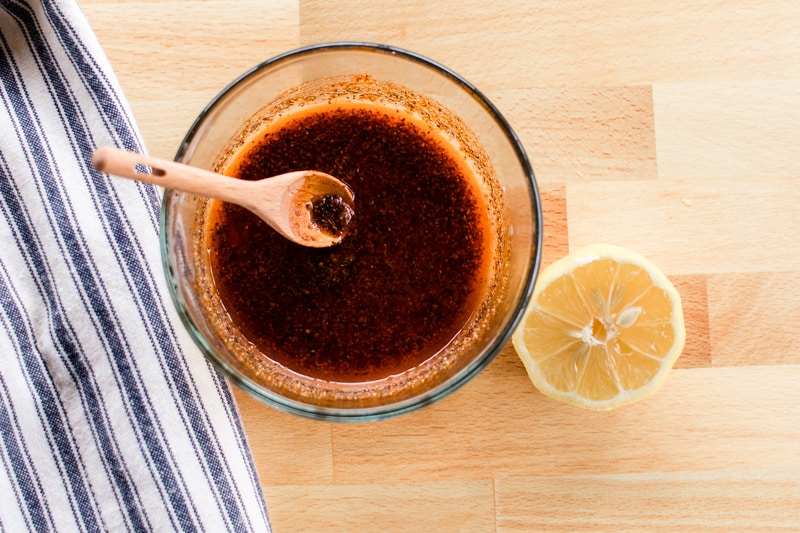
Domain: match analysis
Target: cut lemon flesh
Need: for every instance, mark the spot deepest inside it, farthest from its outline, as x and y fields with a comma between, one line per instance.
x=603, y=328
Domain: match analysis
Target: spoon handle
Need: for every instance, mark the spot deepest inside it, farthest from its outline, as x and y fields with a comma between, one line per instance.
x=168, y=174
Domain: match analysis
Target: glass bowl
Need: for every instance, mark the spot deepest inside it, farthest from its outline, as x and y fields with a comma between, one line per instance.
x=440, y=99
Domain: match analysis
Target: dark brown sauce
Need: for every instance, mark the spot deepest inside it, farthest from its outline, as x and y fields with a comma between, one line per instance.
x=402, y=282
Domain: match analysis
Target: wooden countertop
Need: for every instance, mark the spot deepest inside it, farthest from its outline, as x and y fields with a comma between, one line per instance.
x=669, y=127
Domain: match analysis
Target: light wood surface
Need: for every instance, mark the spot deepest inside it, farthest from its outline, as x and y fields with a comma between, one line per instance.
x=670, y=127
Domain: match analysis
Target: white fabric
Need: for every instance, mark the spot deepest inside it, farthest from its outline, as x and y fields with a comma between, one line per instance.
x=110, y=418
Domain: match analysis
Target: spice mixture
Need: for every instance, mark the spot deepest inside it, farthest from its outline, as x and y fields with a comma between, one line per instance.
x=404, y=279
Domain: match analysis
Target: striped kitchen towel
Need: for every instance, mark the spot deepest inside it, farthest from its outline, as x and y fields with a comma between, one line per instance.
x=110, y=418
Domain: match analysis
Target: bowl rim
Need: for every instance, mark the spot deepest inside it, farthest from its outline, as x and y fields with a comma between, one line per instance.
x=441, y=390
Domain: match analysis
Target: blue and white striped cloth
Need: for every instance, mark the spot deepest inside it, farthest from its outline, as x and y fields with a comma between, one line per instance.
x=110, y=418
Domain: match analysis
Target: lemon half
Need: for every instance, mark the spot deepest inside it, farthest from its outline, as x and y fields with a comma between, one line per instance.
x=603, y=329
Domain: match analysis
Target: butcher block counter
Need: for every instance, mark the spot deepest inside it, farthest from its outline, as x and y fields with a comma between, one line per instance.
x=671, y=128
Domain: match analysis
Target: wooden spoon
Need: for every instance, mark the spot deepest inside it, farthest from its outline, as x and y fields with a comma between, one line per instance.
x=308, y=207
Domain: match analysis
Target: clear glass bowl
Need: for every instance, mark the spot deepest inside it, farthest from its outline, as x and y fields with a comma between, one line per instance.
x=518, y=220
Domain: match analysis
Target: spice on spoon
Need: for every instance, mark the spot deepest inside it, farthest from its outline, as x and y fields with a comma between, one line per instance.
x=331, y=214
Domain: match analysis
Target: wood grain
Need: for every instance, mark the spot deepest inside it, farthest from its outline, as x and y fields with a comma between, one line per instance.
x=709, y=226
x=556, y=233
x=668, y=127
x=585, y=134
x=754, y=319
x=738, y=129
x=182, y=53
x=517, y=432
x=427, y=506
x=675, y=501
x=694, y=299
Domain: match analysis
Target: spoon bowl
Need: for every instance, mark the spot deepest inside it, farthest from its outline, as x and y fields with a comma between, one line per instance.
x=308, y=207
